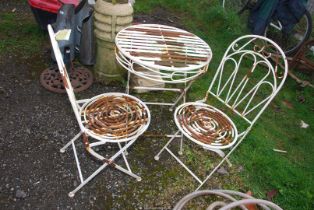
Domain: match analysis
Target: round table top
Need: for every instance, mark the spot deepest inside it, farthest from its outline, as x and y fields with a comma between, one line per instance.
x=163, y=47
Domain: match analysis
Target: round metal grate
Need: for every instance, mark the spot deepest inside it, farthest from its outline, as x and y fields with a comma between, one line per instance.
x=81, y=79
x=116, y=117
x=162, y=53
x=205, y=124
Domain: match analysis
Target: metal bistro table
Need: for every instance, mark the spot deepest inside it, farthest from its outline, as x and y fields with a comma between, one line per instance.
x=162, y=54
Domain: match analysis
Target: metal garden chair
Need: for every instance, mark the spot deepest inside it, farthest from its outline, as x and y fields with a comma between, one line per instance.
x=107, y=118
x=246, y=81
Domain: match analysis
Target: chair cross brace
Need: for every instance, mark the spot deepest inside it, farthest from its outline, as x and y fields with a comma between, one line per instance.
x=180, y=152
x=106, y=161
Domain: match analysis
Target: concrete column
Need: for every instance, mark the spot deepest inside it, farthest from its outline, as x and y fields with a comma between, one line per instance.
x=110, y=18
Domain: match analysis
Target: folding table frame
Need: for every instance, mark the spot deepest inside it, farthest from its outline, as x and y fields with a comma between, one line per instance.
x=162, y=54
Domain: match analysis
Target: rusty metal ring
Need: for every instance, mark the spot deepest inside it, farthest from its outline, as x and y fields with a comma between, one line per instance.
x=115, y=117
x=206, y=125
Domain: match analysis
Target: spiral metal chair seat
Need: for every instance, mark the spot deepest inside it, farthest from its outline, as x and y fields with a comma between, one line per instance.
x=206, y=125
x=115, y=117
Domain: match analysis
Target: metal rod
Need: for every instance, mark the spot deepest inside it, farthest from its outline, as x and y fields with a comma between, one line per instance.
x=184, y=166
x=156, y=88
x=71, y=194
x=170, y=140
x=77, y=163
x=62, y=150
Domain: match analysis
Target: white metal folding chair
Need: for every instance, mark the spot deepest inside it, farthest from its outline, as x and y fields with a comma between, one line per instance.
x=107, y=118
x=246, y=81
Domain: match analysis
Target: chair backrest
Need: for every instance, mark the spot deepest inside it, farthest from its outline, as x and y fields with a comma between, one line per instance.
x=64, y=74
x=249, y=76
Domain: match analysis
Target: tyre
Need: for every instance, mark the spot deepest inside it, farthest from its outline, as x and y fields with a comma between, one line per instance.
x=290, y=43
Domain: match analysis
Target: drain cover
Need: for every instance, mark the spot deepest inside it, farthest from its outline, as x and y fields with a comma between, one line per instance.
x=81, y=78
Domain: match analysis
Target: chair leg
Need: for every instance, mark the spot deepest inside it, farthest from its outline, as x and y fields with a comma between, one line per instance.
x=183, y=165
x=72, y=193
x=171, y=139
x=183, y=94
x=62, y=150
x=125, y=160
x=184, y=101
x=220, y=153
x=127, y=91
x=129, y=171
x=229, y=162
x=221, y=162
x=77, y=162
x=103, y=166
x=126, y=152
x=175, y=157
x=181, y=145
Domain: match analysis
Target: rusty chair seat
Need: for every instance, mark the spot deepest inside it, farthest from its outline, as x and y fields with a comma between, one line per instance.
x=114, y=117
x=205, y=125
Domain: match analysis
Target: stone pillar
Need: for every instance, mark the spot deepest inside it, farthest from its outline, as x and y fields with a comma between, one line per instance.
x=110, y=18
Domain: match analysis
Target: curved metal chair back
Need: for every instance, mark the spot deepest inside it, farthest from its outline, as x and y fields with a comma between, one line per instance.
x=249, y=76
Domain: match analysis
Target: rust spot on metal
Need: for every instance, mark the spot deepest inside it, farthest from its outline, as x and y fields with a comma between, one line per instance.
x=171, y=43
x=85, y=141
x=65, y=78
x=109, y=162
x=170, y=63
x=173, y=55
x=158, y=32
x=301, y=60
x=249, y=73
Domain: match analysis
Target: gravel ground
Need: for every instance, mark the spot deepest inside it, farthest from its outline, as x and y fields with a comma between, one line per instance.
x=36, y=123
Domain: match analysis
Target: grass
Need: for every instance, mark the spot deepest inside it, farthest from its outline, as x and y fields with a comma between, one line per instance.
x=19, y=34
x=291, y=173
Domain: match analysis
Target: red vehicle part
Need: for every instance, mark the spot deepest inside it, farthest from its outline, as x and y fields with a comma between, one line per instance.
x=51, y=6
x=45, y=11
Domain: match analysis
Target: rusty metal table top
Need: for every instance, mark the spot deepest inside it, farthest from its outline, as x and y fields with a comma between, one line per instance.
x=168, y=49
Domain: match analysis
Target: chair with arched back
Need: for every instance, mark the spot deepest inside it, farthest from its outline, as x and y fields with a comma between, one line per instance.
x=251, y=73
